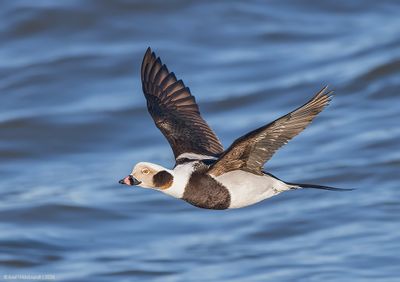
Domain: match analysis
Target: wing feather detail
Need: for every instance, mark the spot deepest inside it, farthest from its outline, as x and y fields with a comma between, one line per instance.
x=174, y=110
x=251, y=151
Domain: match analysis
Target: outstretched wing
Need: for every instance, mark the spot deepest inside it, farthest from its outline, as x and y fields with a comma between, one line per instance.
x=251, y=151
x=175, y=112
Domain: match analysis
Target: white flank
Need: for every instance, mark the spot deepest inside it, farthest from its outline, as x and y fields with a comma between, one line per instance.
x=194, y=156
x=247, y=188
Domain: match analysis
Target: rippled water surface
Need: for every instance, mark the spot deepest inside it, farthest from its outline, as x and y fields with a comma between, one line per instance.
x=73, y=122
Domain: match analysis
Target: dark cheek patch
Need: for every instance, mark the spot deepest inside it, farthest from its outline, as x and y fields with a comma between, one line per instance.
x=163, y=179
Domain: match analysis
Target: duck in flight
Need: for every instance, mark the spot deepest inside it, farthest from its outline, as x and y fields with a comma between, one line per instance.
x=205, y=175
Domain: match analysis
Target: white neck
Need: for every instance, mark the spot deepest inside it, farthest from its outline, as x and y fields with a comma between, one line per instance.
x=181, y=174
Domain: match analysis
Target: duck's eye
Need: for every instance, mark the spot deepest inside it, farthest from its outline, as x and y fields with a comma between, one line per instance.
x=145, y=171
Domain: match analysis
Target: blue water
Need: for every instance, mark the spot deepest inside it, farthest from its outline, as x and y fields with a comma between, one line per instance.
x=73, y=121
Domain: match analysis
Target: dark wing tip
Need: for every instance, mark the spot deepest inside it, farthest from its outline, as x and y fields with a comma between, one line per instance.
x=148, y=60
x=147, y=56
x=321, y=99
x=325, y=92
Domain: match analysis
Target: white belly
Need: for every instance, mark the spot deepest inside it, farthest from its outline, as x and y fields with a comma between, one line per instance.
x=246, y=188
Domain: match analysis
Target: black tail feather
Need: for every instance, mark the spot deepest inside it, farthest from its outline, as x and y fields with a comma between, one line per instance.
x=315, y=186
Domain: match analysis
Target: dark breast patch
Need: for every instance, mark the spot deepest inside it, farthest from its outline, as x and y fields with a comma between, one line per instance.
x=203, y=191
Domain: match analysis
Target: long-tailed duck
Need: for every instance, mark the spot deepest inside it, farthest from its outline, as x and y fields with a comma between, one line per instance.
x=204, y=174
